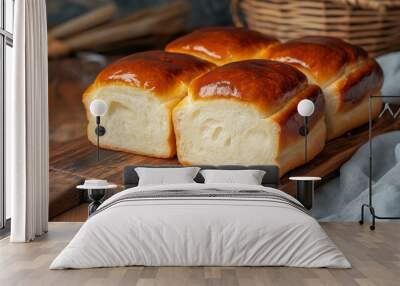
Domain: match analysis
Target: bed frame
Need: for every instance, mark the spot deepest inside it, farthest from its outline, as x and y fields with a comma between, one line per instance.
x=271, y=177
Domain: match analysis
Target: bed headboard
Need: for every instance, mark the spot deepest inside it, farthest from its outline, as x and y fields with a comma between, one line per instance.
x=271, y=177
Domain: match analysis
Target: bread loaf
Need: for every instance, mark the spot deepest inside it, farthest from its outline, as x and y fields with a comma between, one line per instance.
x=242, y=112
x=141, y=90
x=222, y=45
x=246, y=113
x=345, y=74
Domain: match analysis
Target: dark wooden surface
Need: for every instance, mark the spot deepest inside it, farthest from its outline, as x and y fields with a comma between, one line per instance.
x=73, y=157
x=63, y=195
x=68, y=78
x=78, y=157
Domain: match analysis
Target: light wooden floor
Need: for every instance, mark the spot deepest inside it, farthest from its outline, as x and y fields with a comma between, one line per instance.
x=375, y=257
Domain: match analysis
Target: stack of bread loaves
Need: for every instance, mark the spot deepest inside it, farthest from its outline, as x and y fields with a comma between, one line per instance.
x=241, y=112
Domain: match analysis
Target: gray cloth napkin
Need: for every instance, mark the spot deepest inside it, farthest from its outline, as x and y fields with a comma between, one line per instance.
x=390, y=64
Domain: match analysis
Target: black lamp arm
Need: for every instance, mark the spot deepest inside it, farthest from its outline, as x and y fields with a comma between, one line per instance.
x=304, y=132
x=100, y=131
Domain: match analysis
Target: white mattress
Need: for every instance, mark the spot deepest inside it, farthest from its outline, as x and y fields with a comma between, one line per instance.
x=191, y=231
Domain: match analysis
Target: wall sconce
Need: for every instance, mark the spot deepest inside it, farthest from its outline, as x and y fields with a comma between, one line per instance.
x=305, y=108
x=98, y=108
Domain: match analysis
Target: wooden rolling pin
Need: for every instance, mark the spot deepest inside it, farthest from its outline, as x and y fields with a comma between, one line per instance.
x=145, y=22
x=181, y=5
x=84, y=22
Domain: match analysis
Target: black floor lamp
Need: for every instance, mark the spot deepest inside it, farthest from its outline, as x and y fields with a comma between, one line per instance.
x=395, y=114
x=98, y=108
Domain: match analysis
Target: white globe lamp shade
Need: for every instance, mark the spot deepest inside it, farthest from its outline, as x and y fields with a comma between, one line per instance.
x=305, y=107
x=98, y=107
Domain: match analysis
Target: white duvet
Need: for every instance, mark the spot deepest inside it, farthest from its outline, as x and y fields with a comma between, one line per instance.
x=200, y=231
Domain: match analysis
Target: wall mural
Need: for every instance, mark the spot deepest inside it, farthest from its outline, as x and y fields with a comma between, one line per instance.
x=150, y=85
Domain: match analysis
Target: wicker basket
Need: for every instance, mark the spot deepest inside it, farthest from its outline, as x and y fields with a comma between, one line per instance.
x=372, y=24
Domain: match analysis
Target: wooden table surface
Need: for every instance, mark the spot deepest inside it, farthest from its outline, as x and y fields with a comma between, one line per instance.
x=73, y=157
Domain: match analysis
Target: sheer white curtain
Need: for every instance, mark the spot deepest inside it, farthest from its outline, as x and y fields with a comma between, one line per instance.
x=27, y=124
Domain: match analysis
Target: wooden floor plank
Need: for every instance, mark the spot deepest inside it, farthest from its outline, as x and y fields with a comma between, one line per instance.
x=375, y=257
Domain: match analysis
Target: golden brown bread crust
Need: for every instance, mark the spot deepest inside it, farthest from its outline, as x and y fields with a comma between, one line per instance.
x=221, y=45
x=345, y=73
x=324, y=58
x=248, y=103
x=157, y=71
x=365, y=80
x=164, y=75
x=266, y=85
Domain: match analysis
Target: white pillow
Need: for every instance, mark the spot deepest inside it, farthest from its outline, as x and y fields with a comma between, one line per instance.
x=248, y=177
x=164, y=176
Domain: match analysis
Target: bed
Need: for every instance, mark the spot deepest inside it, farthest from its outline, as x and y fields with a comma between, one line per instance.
x=198, y=224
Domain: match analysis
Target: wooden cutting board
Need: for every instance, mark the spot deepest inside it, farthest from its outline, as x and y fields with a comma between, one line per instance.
x=78, y=157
